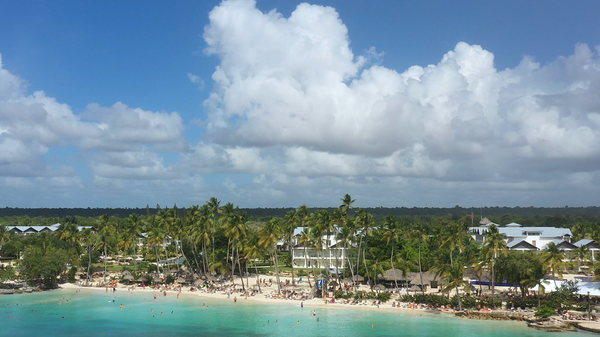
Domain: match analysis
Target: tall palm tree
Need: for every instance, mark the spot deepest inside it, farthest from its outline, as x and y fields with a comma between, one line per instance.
x=134, y=229
x=364, y=223
x=90, y=240
x=68, y=232
x=291, y=223
x=391, y=234
x=455, y=237
x=268, y=236
x=582, y=254
x=5, y=235
x=253, y=251
x=213, y=205
x=305, y=240
x=347, y=202
x=106, y=227
x=419, y=235
x=554, y=258
x=236, y=232
x=496, y=245
x=455, y=278
x=155, y=239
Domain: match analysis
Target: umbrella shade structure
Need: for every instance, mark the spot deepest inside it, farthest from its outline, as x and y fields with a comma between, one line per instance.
x=180, y=280
x=99, y=269
x=333, y=284
x=198, y=283
x=128, y=277
x=379, y=287
x=414, y=288
x=394, y=274
x=142, y=279
x=254, y=288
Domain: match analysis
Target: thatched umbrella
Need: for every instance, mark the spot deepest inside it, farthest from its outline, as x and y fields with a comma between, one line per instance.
x=128, y=277
x=198, y=283
x=180, y=280
x=414, y=288
x=142, y=279
x=99, y=269
x=333, y=283
x=379, y=287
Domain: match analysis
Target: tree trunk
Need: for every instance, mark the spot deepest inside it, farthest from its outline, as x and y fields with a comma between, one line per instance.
x=89, y=265
x=421, y=271
x=257, y=278
x=306, y=265
x=459, y=301
x=277, y=272
x=393, y=269
x=493, y=283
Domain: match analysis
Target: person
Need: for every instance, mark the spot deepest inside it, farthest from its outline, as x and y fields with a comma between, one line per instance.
x=235, y=299
x=301, y=304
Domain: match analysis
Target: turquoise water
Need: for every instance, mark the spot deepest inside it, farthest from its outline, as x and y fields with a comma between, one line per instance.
x=90, y=313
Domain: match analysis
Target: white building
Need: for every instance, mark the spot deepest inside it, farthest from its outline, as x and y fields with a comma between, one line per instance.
x=330, y=256
x=525, y=238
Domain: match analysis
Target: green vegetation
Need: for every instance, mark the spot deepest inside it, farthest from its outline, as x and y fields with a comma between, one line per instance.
x=229, y=242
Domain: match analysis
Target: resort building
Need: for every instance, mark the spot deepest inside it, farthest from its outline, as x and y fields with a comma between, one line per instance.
x=26, y=230
x=527, y=238
x=331, y=255
x=593, y=246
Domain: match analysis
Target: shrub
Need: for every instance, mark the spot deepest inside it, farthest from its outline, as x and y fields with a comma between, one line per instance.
x=384, y=297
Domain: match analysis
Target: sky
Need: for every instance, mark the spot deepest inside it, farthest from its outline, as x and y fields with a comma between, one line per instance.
x=279, y=103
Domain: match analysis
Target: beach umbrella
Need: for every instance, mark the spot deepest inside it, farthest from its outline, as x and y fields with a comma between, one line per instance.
x=128, y=277
x=142, y=279
x=180, y=280
x=198, y=283
x=415, y=288
x=379, y=287
x=99, y=269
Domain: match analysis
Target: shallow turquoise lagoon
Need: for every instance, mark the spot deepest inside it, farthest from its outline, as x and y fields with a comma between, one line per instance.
x=92, y=313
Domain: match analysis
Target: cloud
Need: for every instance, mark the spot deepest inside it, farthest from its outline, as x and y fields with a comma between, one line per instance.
x=117, y=141
x=197, y=80
x=291, y=92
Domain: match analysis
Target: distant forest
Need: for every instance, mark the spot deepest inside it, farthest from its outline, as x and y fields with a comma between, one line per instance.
x=527, y=216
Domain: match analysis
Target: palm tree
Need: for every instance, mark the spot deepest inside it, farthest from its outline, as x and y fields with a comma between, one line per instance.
x=390, y=236
x=155, y=239
x=213, y=205
x=291, y=223
x=496, y=245
x=305, y=240
x=105, y=229
x=268, y=236
x=418, y=234
x=5, y=235
x=535, y=277
x=455, y=278
x=347, y=202
x=90, y=240
x=68, y=232
x=455, y=239
x=553, y=258
x=364, y=222
x=582, y=254
x=134, y=229
x=236, y=231
x=253, y=251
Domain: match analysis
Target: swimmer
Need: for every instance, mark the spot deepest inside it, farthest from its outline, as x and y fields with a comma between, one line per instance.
x=161, y=313
x=122, y=306
x=151, y=310
x=298, y=322
x=171, y=312
x=372, y=326
x=276, y=321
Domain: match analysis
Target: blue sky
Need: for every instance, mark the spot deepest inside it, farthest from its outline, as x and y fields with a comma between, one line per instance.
x=273, y=103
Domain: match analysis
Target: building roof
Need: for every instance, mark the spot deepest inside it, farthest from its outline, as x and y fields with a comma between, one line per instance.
x=515, y=230
x=520, y=244
x=561, y=244
x=587, y=242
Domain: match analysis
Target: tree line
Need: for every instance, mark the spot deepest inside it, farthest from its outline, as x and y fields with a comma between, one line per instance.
x=224, y=241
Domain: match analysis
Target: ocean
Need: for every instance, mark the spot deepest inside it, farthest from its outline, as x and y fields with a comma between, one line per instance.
x=93, y=313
